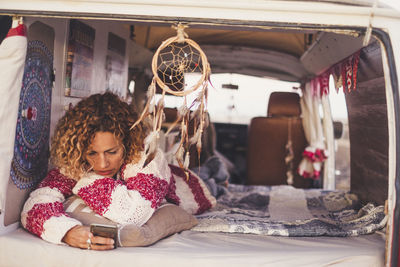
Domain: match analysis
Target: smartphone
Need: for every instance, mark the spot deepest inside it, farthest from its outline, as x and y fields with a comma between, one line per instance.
x=110, y=231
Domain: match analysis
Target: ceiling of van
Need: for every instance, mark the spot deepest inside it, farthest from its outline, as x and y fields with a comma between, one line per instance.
x=293, y=43
x=257, y=52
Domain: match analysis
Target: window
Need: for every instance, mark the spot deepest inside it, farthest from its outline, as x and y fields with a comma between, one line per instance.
x=342, y=143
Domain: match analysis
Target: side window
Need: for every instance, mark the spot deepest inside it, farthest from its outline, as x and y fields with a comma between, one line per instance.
x=342, y=141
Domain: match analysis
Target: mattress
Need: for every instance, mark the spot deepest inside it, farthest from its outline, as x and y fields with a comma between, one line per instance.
x=192, y=248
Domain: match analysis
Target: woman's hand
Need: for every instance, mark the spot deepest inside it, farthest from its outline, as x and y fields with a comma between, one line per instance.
x=78, y=236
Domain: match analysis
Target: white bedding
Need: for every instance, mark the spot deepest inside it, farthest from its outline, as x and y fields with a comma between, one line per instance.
x=190, y=248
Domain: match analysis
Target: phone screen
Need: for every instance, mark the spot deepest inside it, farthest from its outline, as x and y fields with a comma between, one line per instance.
x=110, y=231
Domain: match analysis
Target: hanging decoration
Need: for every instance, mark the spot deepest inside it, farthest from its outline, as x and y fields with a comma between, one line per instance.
x=289, y=155
x=315, y=154
x=31, y=147
x=175, y=57
x=344, y=74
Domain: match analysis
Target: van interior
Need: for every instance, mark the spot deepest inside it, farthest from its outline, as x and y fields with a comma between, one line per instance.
x=262, y=75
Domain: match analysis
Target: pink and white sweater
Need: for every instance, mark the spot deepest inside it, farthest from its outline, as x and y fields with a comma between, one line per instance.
x=132, y=198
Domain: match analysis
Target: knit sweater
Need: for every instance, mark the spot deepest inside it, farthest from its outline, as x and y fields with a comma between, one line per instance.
x=131, y=198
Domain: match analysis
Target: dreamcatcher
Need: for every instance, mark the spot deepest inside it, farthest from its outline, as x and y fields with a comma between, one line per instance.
x=175, y=57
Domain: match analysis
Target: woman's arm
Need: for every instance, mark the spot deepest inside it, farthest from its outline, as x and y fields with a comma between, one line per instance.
x=43, y=213
x=131, y=200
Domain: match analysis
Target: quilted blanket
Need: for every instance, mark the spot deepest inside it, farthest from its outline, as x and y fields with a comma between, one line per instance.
x=288, y=211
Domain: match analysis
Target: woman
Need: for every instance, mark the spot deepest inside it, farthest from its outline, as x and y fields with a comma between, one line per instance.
x=90, y=148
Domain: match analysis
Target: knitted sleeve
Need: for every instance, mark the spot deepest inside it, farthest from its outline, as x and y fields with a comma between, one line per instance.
x=43, y=213
x=134, y=198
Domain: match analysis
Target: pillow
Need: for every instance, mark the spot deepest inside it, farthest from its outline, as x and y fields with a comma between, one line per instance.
x=167, y=220
x=190, y=192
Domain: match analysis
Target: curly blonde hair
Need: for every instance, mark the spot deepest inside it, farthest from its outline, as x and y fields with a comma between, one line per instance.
x=76, y=129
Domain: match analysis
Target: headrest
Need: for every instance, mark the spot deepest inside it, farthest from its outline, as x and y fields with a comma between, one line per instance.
x=170, y=114
x=284, y=104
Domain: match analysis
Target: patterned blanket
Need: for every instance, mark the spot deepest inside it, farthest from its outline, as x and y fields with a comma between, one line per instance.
x=287, y=211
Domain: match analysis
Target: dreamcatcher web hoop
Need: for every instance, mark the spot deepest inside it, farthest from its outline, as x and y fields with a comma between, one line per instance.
x=179, y=55
x=175, y=57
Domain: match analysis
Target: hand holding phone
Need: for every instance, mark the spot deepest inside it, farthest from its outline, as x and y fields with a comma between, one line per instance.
x=103, y=230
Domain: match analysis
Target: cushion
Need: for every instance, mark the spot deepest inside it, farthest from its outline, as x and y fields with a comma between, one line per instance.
x=165, y=221
x=190, y=192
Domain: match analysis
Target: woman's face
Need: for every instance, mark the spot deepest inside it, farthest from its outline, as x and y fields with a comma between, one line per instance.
x=105, y=154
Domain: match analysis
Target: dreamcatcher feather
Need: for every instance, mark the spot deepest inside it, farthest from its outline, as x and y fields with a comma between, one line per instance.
x=176, y=56
x=289, y=155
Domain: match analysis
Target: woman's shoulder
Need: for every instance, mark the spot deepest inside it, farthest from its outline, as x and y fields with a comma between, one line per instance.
x=56, y=179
